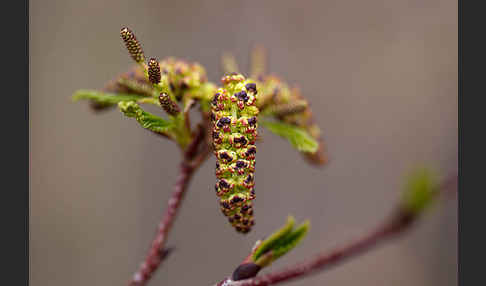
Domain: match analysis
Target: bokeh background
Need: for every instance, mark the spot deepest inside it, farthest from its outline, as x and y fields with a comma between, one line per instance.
x=380, y=75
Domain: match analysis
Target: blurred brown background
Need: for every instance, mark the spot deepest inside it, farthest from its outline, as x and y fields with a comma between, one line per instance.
x=380, y=75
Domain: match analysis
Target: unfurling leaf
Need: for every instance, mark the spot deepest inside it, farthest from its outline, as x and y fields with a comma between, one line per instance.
x=298, y=137
x=268, y=243
x=291, y=240
x=146, y=119
x=104, y=99
x=280, y=242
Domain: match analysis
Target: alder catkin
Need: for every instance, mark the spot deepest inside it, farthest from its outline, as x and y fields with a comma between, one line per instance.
x=154, y=71
x=132, y=45
x=234, y=117
x=168, y=104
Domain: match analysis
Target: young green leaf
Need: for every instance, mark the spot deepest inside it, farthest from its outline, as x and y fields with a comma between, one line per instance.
x=420, y=191
x=273, y=239
x=298, y=137
x=146, y=119
x=291, y=240
x=104, y=99
x=279, y=243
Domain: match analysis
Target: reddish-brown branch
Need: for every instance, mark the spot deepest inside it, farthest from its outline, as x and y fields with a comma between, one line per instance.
x=397, y=224
x=194, y=156
x=325, y=260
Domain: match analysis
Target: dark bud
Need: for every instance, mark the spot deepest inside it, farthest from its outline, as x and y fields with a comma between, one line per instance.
x=245, y=271
x=154, y=71
x=132, y=45
x=168, y=105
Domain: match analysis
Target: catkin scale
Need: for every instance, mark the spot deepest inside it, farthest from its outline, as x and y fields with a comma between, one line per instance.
x=234, y=119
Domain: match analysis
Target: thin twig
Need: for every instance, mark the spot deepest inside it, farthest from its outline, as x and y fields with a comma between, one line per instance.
x=325, y=260
x=193, y=158
x=397, y=224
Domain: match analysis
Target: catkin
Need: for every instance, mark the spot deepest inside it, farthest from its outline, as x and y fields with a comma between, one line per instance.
x=234, y=117
x=133, y=45
x=154, y=71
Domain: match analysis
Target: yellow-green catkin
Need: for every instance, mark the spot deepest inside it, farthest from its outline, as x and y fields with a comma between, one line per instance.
x=234, y=118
